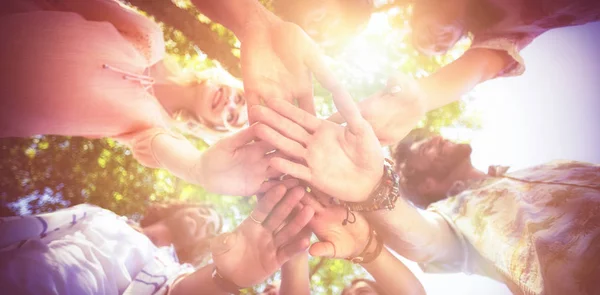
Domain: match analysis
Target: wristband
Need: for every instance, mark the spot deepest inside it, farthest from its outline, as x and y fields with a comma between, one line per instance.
x=364, y=256
x=385, y=194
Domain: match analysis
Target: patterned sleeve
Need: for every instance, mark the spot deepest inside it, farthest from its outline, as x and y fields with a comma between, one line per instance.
x=456, y=266
x=511, y=43
x=140, y=143
x=471, y=261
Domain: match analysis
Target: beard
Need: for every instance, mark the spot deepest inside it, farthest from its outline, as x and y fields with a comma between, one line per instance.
x=447, y=163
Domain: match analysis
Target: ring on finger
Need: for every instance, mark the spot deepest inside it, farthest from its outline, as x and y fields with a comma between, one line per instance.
x=254, y=218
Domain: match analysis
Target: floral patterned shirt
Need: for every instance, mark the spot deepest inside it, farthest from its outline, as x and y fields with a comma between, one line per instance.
x=537, y=230
x=512, y=24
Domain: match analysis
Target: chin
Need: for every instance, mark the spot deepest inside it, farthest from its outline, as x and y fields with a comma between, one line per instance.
x=464, y=150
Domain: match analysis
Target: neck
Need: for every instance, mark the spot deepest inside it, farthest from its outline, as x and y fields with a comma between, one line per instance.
x=469, y=172
x=170, y=95
x=173, y=97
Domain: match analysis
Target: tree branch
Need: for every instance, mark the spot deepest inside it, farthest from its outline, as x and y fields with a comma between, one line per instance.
x=198, y=33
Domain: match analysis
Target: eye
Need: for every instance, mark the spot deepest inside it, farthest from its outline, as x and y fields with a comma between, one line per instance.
x=232, y=118
x=239, y=99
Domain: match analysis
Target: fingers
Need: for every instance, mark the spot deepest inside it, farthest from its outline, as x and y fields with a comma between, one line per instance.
x=280, y=142
x=336, y=118
x=324, y=199
x=310, y=201
x=322, y=249
x=268, y=185
x=283, y=209
x=267, y=203
x=240, y=138
x=307, y=102
x=299, y=244
x=282, y=124
x=341, y=97
x=294, y=227
x=264, y=146
x=252, y=99
x=288, y=167
x=307, y=121
x=272, y=173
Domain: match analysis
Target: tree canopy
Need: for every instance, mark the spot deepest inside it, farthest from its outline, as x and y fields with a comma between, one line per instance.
x=45, y=173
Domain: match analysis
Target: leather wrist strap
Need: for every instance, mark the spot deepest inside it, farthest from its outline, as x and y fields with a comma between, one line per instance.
x=224, y=284
x=360, y=257
x=366, y=257
x=369, y=257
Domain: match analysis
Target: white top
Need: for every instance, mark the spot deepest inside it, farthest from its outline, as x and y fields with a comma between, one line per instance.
x=82, y=250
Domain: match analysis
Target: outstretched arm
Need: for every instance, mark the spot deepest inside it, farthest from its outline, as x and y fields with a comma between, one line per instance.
x=397, y=109
x=295, y=276
x=421, y=236
x=343, y=240
x=402, y=282
x=235, y=165
x=254, y=250
x=456, y=79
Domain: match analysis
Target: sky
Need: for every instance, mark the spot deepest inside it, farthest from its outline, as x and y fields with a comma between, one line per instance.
x=550, y=112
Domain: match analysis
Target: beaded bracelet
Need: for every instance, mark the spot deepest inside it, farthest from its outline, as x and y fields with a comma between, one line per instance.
x=385, y=194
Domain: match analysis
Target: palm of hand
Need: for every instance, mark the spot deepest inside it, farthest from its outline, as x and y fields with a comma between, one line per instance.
x=393, y=112
x=239, y=171
x=348, y=240
x=336, y=158
x=270, y=71
x=392, y=116
x=252, y=248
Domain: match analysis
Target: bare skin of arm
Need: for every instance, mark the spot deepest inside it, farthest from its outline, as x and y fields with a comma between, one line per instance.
x=402, y=282
x=295, y=276
x=454, y=80
x=421, y=236
x=200, y=282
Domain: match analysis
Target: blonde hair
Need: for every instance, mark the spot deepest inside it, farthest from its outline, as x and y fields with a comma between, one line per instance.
x=187, y=122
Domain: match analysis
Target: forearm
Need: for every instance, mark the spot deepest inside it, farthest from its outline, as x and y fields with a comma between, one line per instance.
x=421, y=236
x=178, y=156
x=235, y=15
x=198, y=283
x=456, y=79
x=295, y=276
x=392, y=275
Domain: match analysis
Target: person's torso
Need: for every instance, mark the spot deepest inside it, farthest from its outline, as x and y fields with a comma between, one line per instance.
x=526, y=17
x=539, y=227
x=66, y=65
x=79, y=250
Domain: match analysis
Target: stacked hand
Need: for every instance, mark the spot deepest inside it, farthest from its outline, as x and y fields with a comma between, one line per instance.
x=256, y=250
x=393, y=112
x=335, y=239
x=342, y=161
x=278, y=59
x=236, y=165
